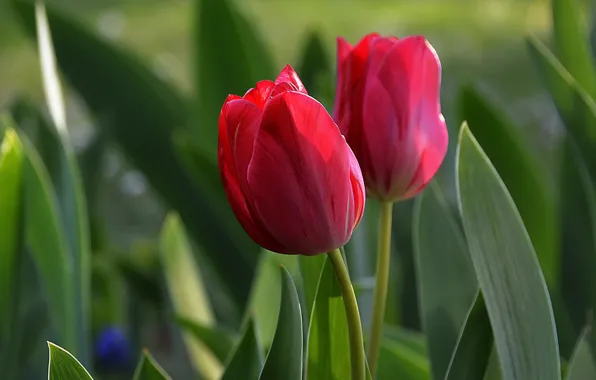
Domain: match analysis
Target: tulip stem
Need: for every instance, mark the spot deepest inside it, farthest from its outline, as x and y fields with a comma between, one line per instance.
x=352, y=313
x=380, y=297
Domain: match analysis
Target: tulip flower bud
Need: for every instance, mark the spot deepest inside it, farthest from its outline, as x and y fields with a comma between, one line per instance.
x=387, y=105
x=289, y=175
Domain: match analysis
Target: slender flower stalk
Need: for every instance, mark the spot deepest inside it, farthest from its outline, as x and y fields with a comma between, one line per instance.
x=352, y=313
x=380, y=297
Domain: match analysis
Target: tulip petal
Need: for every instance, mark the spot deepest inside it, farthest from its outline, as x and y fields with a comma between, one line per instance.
x=288, y=75
x=300, y=175
x=260, y=94
x=238, y=123
x=358, y=191
x=351, y=67
x=401, y=104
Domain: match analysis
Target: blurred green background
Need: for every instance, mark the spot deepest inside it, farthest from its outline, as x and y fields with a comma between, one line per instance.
x=479, y=42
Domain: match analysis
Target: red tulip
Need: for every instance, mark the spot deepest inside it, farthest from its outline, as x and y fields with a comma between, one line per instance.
x=289, y=175
x=387, y=105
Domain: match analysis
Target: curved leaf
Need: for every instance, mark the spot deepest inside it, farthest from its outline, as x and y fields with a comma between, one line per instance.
x=474, y=347
x=572, y=43
x=187, y=292
x=576, y=108
x=284, y=360
x=328, y=331
x=581, y=364
x=578, y=226
x=11, y=173
x=64, y=366
x=148, y=369
x=11, y=245
x=414, y=340
x=46, y=238
x=524, y=177
x=310, y=270
x=447, y=283
x=508, y=272
x=247, y=359
x=397, y=361
x=68, y=183
x=220, y=341
x=265, y=293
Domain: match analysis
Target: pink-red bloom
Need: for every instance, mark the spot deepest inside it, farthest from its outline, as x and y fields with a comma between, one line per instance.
x=289, y=175
x=387, y=105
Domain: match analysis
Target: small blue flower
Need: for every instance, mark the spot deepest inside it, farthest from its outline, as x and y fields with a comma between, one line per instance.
x=112, y=350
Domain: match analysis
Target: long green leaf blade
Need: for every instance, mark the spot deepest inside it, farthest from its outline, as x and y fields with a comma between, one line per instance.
x=398, y=361
x=581, y=365
x=220, y=341
x=247, y=359
x=148, y=369
x=576, y=108
x=11, y=173
x=310, y=270
x=508, y=272
x=64, y=366
x=46, y=238
x=187, y=292
x=284, y=360
x=572, y=43
x=328, y=331
x=447, y=283
x=11, y=244
x=518, y=168
x=67, y=181
x=474, y=347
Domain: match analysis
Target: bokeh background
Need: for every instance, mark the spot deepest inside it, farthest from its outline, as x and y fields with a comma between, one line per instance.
x=480, y=43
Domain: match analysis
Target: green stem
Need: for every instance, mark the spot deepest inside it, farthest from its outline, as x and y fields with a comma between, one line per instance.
x=352, y=313
x=382, y=274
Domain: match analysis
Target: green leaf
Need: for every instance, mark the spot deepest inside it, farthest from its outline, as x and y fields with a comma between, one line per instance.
x=11, y=245
x=221, y=71
x=414, y=340
x=398, y=361
x=284, y=360
x=578, y=226
x=187, y=292
x=576, y=108
x=447, y=283
x=310, y=270
x=47, y=60
x=518, y=168
x=265, y=294
x=581, y=364
x=328, y=331
x=507, y=268
x=67, y=181
x=219, y=341
x=474, y=347
x=148, y=369
x=572, y=43
x=247, y=359
x=46, y=238
x=129, y=101
x=11, y=173
x=578, y=112
x=64, y=366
